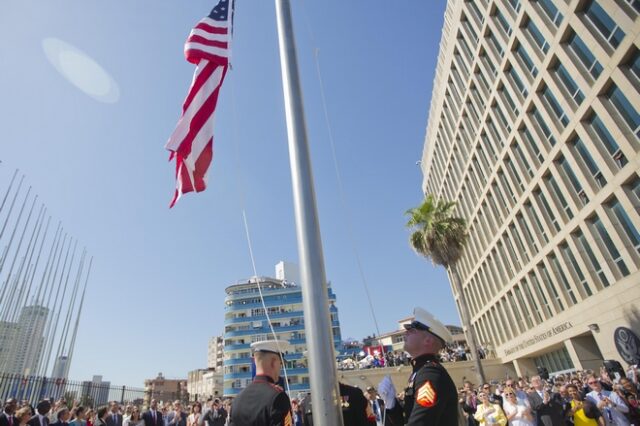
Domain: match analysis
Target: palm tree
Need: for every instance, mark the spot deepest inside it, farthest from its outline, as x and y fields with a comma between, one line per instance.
x=441, y=236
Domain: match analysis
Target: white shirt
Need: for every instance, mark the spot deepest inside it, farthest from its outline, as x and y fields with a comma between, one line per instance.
x=613, y=413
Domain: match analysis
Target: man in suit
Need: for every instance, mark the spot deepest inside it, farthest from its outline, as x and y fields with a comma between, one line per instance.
x=63, y=415
x=546, y=406
x=7, y=417
x=376, y=405
x=114, y=418
x=153, y=417
x=217, y=415
x=40, y=418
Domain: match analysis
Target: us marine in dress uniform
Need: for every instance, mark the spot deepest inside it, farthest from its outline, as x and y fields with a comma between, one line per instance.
x=263, y=403
x=431, y=397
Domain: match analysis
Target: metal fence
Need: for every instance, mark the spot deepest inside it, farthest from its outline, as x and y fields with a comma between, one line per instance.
x=87, y=393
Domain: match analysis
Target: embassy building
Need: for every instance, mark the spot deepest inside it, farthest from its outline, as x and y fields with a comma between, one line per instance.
x=534, y=131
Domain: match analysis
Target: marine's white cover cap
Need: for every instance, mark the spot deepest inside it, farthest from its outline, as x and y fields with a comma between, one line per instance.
x=272, y=346
x=423, y=320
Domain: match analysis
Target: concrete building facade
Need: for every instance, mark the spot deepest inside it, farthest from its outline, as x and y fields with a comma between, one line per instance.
x=215, y=353
x=534, y=131
x=246, y=322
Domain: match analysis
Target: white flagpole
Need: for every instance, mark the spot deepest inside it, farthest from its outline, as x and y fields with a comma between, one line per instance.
x=325, y=395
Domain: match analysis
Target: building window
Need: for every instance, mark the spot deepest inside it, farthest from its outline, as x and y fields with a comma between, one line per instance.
x=579, y=236
x=551, y=11
x=575, y=182
x=496, y=45
x=542, y=200
x=467, y=25
x=608, y=141
x=533, y=305
x=526, y=61
x=610, y=246
x=584, y=54
x=543, y=300
x=523, y=162
x=634, y=64
x=515, y=5
x=537, y=36
x=626, y=224
x=569, y=83
x=501, y=118
x=570, y=258
x=517, y=81
x=603, y=22
x=514, y=176
x=532, y=144
x=533, y=216
x=559, y=196
x=527, y=234
x=635, y=4
x=479, y=17
x=625, y=109
x=589, y=162
x=563, y=279
x=555, y=106
x=504, y=24
x=516, y=312
x=542, y=125
x=551, y=289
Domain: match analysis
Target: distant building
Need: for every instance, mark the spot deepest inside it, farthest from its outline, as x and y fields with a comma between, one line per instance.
x=164, y=389
x=203, y=384
x=23, y=342
x=60, y=368
x=246, y=322
x=95, y=392
x=215, y=355
x=287, y=271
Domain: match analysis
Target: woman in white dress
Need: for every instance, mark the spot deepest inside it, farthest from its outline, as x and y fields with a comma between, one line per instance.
x=518, y=412
x=134, y=419
x=195, y=418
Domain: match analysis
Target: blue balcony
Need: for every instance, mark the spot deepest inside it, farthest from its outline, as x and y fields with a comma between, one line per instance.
x=231, y=391
x=241, y=375
x=237, y=346
x=296, y=371
x=237, y=361
x=263, y=330
x=292, y=314
x=269, y=303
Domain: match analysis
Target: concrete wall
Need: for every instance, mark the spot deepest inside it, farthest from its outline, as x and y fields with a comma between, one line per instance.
x=459, y=371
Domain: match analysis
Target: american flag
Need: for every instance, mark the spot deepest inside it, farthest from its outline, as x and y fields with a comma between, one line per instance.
x=191, y=143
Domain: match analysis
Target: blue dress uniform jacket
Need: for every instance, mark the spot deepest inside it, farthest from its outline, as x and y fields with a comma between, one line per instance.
x=262, y=403
x=430, y=398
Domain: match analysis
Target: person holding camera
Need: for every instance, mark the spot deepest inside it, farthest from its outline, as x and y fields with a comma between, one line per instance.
x=613, y=408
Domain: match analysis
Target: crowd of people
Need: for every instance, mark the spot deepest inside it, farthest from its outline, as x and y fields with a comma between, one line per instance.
x=450, y=353
x=59, y=413
x=581, y=398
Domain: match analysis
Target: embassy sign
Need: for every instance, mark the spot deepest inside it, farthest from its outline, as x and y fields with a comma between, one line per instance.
x=539, y=338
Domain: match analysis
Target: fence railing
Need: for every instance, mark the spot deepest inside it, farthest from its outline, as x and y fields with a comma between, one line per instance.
x=87, y=393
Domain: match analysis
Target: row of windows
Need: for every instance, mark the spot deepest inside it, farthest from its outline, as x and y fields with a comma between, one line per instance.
x=454, y=98
x=571, y=272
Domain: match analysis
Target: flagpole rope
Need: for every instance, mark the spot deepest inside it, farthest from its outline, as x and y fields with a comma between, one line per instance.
x=343, y=199
x=241, y=191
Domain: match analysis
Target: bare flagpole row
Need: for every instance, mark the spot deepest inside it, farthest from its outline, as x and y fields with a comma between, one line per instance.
x=43, y=282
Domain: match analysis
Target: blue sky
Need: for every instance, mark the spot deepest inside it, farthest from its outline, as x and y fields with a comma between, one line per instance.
x=157, y=287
